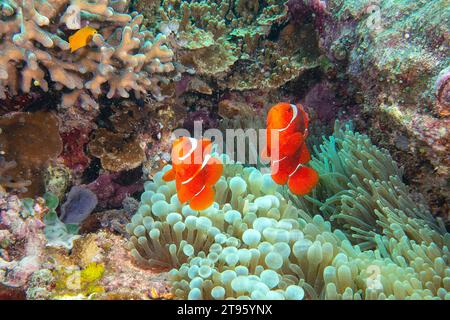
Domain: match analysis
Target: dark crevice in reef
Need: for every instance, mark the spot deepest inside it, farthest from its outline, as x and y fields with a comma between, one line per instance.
x=93, y=171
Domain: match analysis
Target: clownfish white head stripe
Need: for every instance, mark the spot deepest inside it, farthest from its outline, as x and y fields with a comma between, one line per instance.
x=193, y=147
x=294, y=115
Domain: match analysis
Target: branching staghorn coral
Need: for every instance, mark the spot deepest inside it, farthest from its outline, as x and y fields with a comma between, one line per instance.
x=123, y=55
x=262, y=246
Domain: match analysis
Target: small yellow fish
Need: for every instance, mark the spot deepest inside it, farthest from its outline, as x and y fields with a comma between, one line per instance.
x=81, y=38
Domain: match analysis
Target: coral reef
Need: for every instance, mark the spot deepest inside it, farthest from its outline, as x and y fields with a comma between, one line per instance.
x=6, y=181
x=97, y=267
x=117, y=152
x=122, y=54
x=202, y=116
x=57, y=233
x=73, y=280
x=18, y=102
x=395, y=56
x=57, y=179
x=73, y=154
x=88, y=123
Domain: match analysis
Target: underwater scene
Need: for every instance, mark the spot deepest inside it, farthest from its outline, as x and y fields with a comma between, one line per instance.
x=224, y=149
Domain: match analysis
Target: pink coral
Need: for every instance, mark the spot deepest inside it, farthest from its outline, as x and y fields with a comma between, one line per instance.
x=305, y=11
x=23, y=236
x=111, y=190
x=442, y=88
x=73, y=153
x=322, y=99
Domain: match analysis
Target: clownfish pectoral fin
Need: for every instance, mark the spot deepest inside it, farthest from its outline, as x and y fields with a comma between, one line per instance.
x=183, y=192
x=203, y=200
x=214, y=169
x=169, y=175
x=303, y=180
x=292, y=144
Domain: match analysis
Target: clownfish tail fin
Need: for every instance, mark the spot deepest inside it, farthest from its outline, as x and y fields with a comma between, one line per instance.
x=203, y=200
x=303, y=180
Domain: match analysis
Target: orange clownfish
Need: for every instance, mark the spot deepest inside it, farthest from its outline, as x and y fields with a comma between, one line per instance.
x=81, y=38
x=195, y=172
x=287, y=129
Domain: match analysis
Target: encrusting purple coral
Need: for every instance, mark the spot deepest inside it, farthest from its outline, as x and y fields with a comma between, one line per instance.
x=110, y=192
x=303, y=11
x=322, y=99
x=443, y=92
x=206, y=118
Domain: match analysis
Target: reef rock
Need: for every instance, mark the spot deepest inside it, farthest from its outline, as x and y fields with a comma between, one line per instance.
x=31, y=140
x=22, y=240
x=395, y=54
